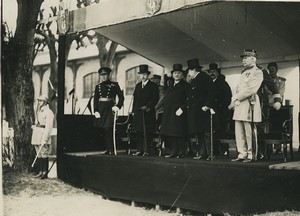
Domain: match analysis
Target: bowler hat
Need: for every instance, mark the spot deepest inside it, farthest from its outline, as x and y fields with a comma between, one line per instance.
x=43, y=98
x=214, y=66
x=249, y=52
x=155, y=76
x=193, y=63
x=104, y=70
x=177, y=67
x=143, y=69
x=272, y=64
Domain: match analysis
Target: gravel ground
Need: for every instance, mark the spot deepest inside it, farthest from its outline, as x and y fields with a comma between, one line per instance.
x=25, y=195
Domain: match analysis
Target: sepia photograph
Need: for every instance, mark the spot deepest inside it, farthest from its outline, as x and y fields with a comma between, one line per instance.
x=150, y=108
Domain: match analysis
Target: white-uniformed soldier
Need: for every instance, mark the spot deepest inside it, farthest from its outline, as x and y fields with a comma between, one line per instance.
x=41, y=135
x=105, y=106
x=247, y=110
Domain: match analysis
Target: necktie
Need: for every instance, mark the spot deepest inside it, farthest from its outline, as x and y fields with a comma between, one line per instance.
x=143, y=85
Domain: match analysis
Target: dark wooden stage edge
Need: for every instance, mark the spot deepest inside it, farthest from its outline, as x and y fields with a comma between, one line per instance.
x=204, y=186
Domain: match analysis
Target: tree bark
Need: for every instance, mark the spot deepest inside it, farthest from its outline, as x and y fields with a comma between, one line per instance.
x=17, y=78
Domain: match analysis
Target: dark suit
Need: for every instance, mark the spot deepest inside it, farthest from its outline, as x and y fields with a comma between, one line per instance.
x=174, y=128
x=107, y=90
x=147, y=96
x=203, y=94
x=221, y=102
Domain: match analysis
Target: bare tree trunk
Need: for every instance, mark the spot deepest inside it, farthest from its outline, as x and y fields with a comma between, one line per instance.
x=17, y=78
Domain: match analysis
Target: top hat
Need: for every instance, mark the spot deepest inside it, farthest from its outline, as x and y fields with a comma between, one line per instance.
x=249, y=52
x=214, y=66
x=193, y=63
x=104, y=70
x=43, y=98
x=143, y=69
x=177, y=67
x=272, y=64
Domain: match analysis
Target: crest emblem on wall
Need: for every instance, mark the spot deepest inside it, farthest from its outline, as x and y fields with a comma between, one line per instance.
x=153, y=6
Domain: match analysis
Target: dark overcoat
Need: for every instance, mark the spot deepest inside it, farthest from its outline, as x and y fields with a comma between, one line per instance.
x=221, y=103
x=147, y=96
x=202, y=94
x=175, y=98
x=106, y=89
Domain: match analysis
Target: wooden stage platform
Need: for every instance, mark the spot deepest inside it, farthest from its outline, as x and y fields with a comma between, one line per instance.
x=217, y=186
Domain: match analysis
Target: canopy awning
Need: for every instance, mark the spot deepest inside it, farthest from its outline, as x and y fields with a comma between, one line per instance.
x=211, y=31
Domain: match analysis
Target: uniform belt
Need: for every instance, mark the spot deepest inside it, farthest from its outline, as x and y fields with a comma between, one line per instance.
x=41, y=126
x=106, y=99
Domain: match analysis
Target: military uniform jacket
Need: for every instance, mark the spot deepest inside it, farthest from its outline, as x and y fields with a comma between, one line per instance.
x=222, y=100
x=106, y=89
x=202, y=94
x=43, y=126
x=246, y=91
x=147, y=96
x=175, y=98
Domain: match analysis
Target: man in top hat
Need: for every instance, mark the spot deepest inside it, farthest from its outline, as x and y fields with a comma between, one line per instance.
x=145, y=97
x=105, y=106
x=41, y=135
x=174, y=119
x=246, y=104
x=200, y=102
x=222, y=100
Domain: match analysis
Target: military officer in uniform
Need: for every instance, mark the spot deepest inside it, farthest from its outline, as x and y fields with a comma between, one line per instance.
x=201, y=101
x=279, y=82
x=246, y=104
x=145, y=97
x=105, y=106
x=41, y=135
x=174, y=119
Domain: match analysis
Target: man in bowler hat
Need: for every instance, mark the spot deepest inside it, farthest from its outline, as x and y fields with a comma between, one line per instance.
x=174, y=119
x=145, y=97
x=201, y=101
x=222, y=100
x=105, y=106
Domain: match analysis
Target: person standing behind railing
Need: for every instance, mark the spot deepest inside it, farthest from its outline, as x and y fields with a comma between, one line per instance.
x=247, y=110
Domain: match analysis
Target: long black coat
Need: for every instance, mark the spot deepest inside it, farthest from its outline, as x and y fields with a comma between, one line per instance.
x=175, y=98
x=221, y=102
x=147, y=96
x=203, y=94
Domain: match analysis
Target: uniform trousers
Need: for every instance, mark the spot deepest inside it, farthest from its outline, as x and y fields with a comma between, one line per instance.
x=203, y=146
x=108, y=138
x=243, y=138
x=44, y=152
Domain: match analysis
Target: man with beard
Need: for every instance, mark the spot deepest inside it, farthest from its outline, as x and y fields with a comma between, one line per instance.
x=221, y=101
x=174, y=119
x=145, y=97
x=200, y=102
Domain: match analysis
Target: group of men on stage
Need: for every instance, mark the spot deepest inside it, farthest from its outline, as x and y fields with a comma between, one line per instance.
x=192, y=96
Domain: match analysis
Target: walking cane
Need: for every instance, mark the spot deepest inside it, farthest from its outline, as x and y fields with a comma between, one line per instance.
x=37, y=154
x=144, y=129
x=114, y=132
x=212, y=112
x=253, y=131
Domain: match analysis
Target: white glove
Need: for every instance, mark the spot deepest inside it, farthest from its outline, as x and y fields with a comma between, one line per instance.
x=205, y=108
x=237, y=103
x=97, y=115
x=179, y=112
x=115, y=108
x=277, y=106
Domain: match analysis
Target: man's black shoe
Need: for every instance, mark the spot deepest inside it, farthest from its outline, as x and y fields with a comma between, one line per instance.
x=169, y=156
x=138, y=154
